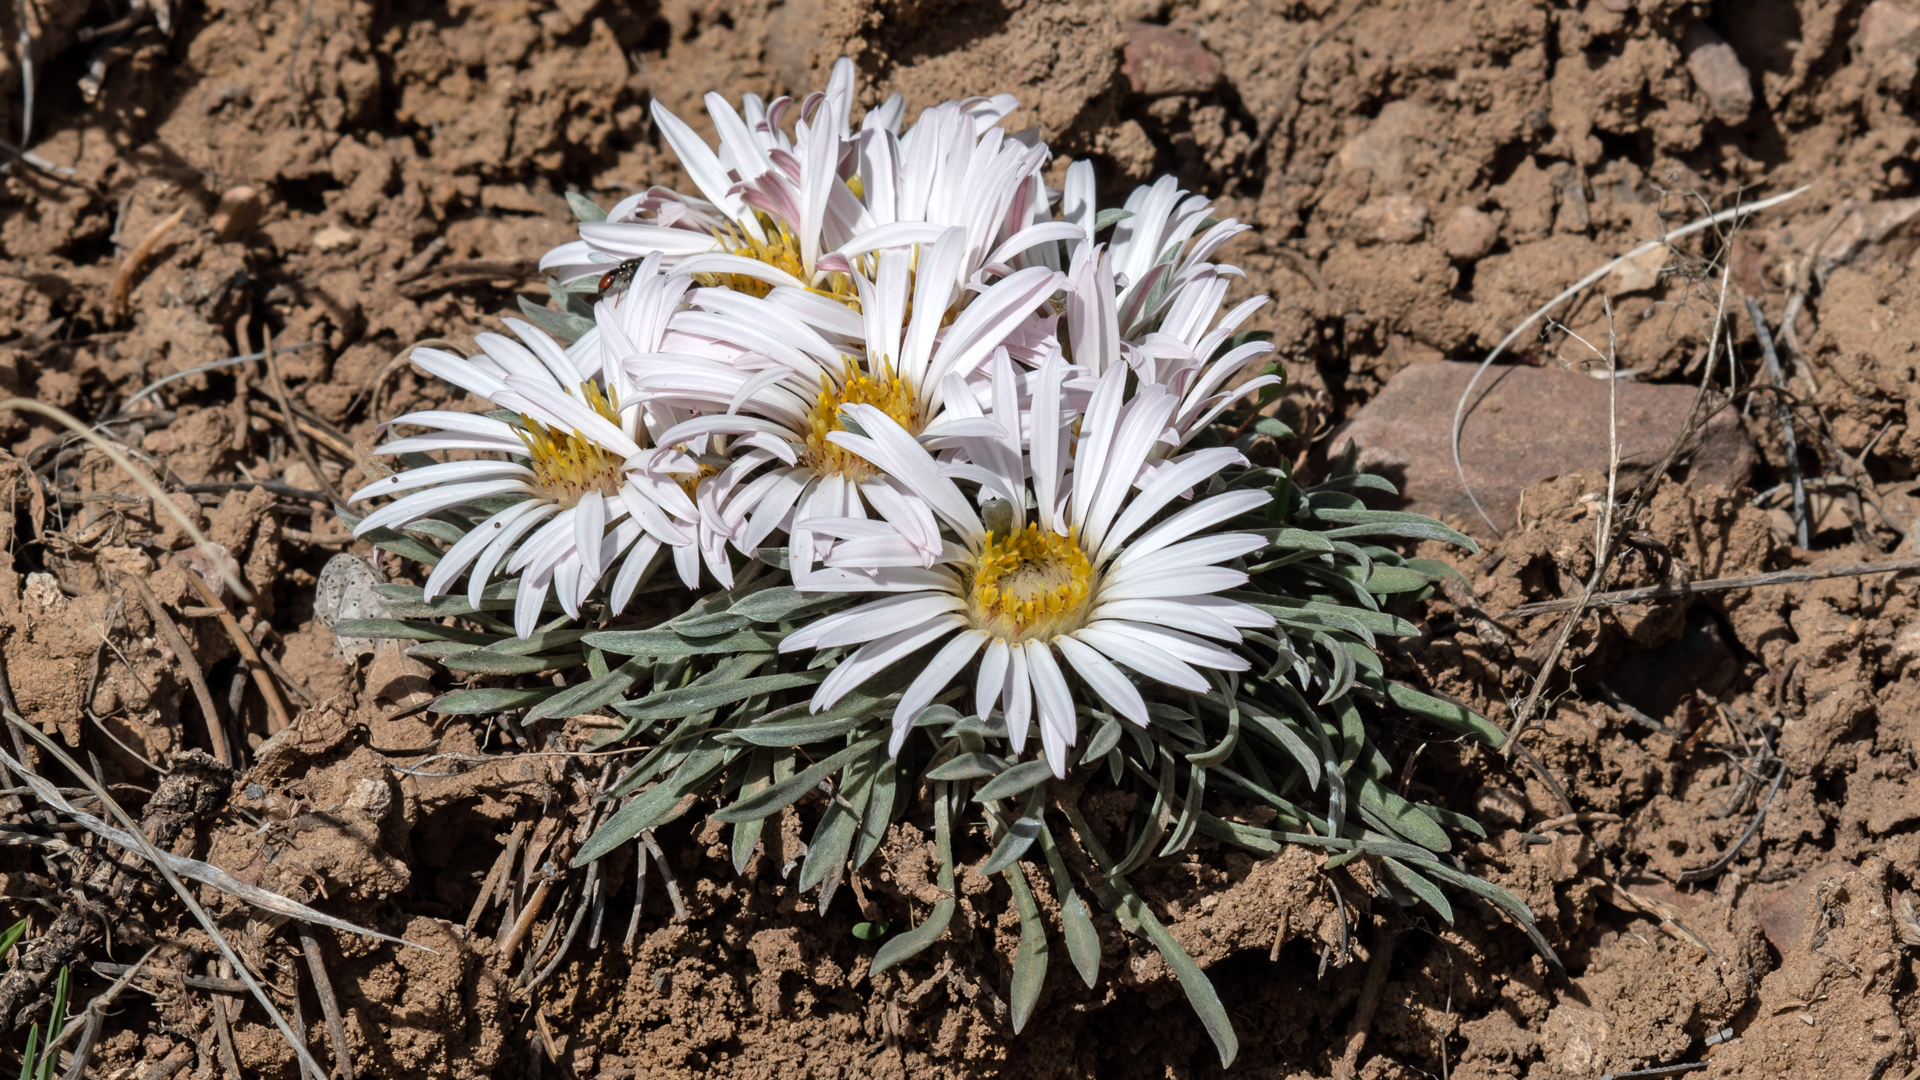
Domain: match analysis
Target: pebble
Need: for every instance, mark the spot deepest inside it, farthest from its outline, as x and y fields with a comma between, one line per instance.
x=1161, y=61
x=1389, y=219
x=333, y=238
x=346, y=591
x=1888, y=26
x=1719, y=74
x=237, y=214
x=1469, y=235
x=1523, y=426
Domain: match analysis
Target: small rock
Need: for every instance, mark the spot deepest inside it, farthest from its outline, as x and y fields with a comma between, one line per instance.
x=346, y=591
x=1638, y=274
x=333, y=238
x=1719, y=74
x=237, y=214
x=1161, y=61
x=1383, y=147
x=43, y=592
x=213, y=562
x=1617, y=5
x=1784, y=918
x=1469, y=235
x=1888, y=26
x=1522, y=426
x=1390, y=219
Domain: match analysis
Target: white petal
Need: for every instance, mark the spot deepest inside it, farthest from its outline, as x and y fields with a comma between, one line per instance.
x=1107, y=680
x=869, y=621
x=1178, y=582
x=932, y=679
x=1173, y=643
x=873, y=657
x=496, y=550
x=1018, y=701
x=1059, y=727
x=993, y=679
x=469, y=547
x=1147, y=661
x=1201, y=515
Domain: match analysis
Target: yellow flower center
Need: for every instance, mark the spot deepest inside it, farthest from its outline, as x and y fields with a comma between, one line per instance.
x=1031, y=584
x=886, y=391
x=782, y=252
x=568, y=464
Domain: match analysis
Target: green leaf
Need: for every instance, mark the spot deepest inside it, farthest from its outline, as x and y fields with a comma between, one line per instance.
x=1014, y=780
x=663, y=643
x=867, y=931
x=688, y=700
x=1103, y=740
x=564, y=325
x=1420, y=887
x=488, y=662
x=1403, y=816
x=832, y=839
x=32, y=1053
x=1018, y=836
x=584, y=208
x=788, y=791
x=1388, y=580
x=1390, y=523
x=406, y=631
x=1453, y=820
x=592, y=694
x=873, y=830
x=490, y=700
x=1502, y=899
x=966, y=767
x=12, y=937
x=1445, y=713
x=1112, y=215
x=913, y=942
x=652, y=806
x=1205, y=1000
x=1076, y=925
x=780, y=603
x=1267, y=425
x=1030, y=962
x=747, y=833
x=720, y=622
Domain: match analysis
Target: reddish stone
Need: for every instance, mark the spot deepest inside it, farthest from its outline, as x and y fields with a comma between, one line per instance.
x=1160, y=61
x=1719, y=74
x=1469, y=235
x=1524, y=425
x=1784, y=918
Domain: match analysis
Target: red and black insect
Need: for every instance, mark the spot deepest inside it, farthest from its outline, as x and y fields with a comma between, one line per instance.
x=620, y=276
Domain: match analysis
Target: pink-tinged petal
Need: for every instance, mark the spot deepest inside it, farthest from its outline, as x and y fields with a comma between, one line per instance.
x=1182, y=582
x=468, y=548
x=1174, y=644
x=1165, y=486
x=504, y=539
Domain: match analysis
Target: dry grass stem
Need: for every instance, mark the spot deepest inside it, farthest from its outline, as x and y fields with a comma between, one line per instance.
x=136, y=260
x=1460, y=410
x=329, y=1005
x=277, y=719
x=132, y=839
x=170, y=633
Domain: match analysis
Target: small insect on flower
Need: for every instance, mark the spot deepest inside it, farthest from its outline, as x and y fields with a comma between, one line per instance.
x=620, y=276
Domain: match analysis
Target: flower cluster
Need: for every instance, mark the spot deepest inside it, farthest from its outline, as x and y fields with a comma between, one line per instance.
x=931, y=447
x=881, y=350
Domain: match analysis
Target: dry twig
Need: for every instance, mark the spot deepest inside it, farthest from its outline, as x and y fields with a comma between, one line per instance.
x=276, y=707
x=136, y=260
x=1694, y=588
x=329, y=1005
x=170, y=632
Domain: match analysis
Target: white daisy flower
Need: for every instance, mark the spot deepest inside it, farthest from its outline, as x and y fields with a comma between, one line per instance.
x=1090, y=578
x=1152, y=259
x=570, y=487
x=921, y=336
x=804, y=211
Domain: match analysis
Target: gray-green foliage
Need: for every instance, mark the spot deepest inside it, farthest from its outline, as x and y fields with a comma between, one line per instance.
x=723, y=715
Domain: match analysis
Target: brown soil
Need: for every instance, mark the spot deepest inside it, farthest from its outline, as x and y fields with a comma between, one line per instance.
x=1437, y=169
